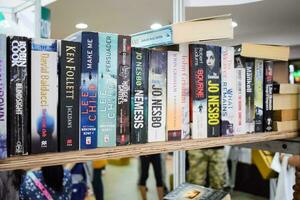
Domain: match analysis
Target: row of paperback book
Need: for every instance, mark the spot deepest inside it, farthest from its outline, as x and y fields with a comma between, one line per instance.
x=95, y=90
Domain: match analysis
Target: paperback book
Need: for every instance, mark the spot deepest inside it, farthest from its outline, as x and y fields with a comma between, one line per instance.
x=240, y=99
x=3, y=96
x=213, y=66
x=258, y=94
x=18, y=112
x=185, y=95
x=174, y=91
x=44, y=96
x=250, y=111
x=157, y=95
x=139, y=95
x=227, y=91
x=107, y=89
x=69, y=84
x=123, y=104
x=268, y=95
x=198, y=77
x=89, y=88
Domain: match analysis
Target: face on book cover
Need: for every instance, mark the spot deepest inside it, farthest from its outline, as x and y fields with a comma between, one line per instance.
x=210, y=61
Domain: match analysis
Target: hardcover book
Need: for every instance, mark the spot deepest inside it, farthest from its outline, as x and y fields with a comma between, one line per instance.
x=227, y=91
x=187, y=191
x=198, y=77
x=213, y=66
x=123, y=104
x=240, y=99
x=268, y=95
x=44, y=95
x=258, y=94
x=250, y=111
x=185, y=95
x=107, y=89
x=18, y=112
x=88, y=87
x=174, y=112
x=69, y=84
x=139, y=95
x=157, y=95
x=3, y=96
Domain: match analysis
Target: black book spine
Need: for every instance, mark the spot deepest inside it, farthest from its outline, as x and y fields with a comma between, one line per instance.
x=268, y=95
x=250, y=111
x=123, y=88
x=69, y=83
x=19, y=49
x=139, y=95
x=213, y=62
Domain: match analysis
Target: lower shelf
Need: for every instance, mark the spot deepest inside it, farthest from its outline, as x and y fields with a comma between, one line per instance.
x=33, y=161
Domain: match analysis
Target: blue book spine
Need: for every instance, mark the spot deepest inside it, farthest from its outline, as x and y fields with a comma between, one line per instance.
x=3, y=94
x=107, y=84
x=89, y=90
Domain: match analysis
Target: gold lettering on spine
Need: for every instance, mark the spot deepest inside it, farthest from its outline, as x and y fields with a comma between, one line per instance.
x=70, y=71
x=44, y=79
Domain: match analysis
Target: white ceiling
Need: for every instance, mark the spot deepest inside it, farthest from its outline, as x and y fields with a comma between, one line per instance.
x=268, y=21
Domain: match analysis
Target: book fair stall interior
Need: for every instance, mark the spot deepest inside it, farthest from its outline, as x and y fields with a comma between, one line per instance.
x=149, y=100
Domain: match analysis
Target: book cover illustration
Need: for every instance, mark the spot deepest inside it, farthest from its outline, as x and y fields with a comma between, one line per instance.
x=213, y=63
x=18, y=69
x=3, y=96
x=107, y=89
x=187, y=191
x=157, y=94
x=139, y=96
x=250, y=111
x=89, y=90
x=268, y=95
x=123, y=104
x=258, y=94
x=184, y=53
x=69, y=83
x=198, y=75
x=174, y=113
x=227, y=91
x=240, y=99
x=44, y=95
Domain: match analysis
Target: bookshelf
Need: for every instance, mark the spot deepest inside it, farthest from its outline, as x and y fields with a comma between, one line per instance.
x=38, y=160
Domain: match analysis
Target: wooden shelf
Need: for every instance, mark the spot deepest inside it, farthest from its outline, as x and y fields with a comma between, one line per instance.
x=33, y=161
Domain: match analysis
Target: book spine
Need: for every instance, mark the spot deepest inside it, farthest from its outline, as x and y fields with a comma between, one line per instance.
x=185, y=95
x=157, y=94
x=139, y=95
x=69, y=83
x=213, y=62
x=240, y=90
x=89, y=90
x=123, y=106
x=174, y=113
x=227, y=91
x=198, y=92
x=268, y=95
x=258, y=94
x=3, y=96
x=18, y=67
x=250, y=111
x=44, y=95
x=107, y=89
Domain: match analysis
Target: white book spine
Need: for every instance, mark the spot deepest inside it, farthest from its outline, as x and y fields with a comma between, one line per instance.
x=227, y=91
x=185, y=96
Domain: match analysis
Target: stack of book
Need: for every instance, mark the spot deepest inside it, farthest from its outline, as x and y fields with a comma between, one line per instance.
x=286, y=107
x=187, y=191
